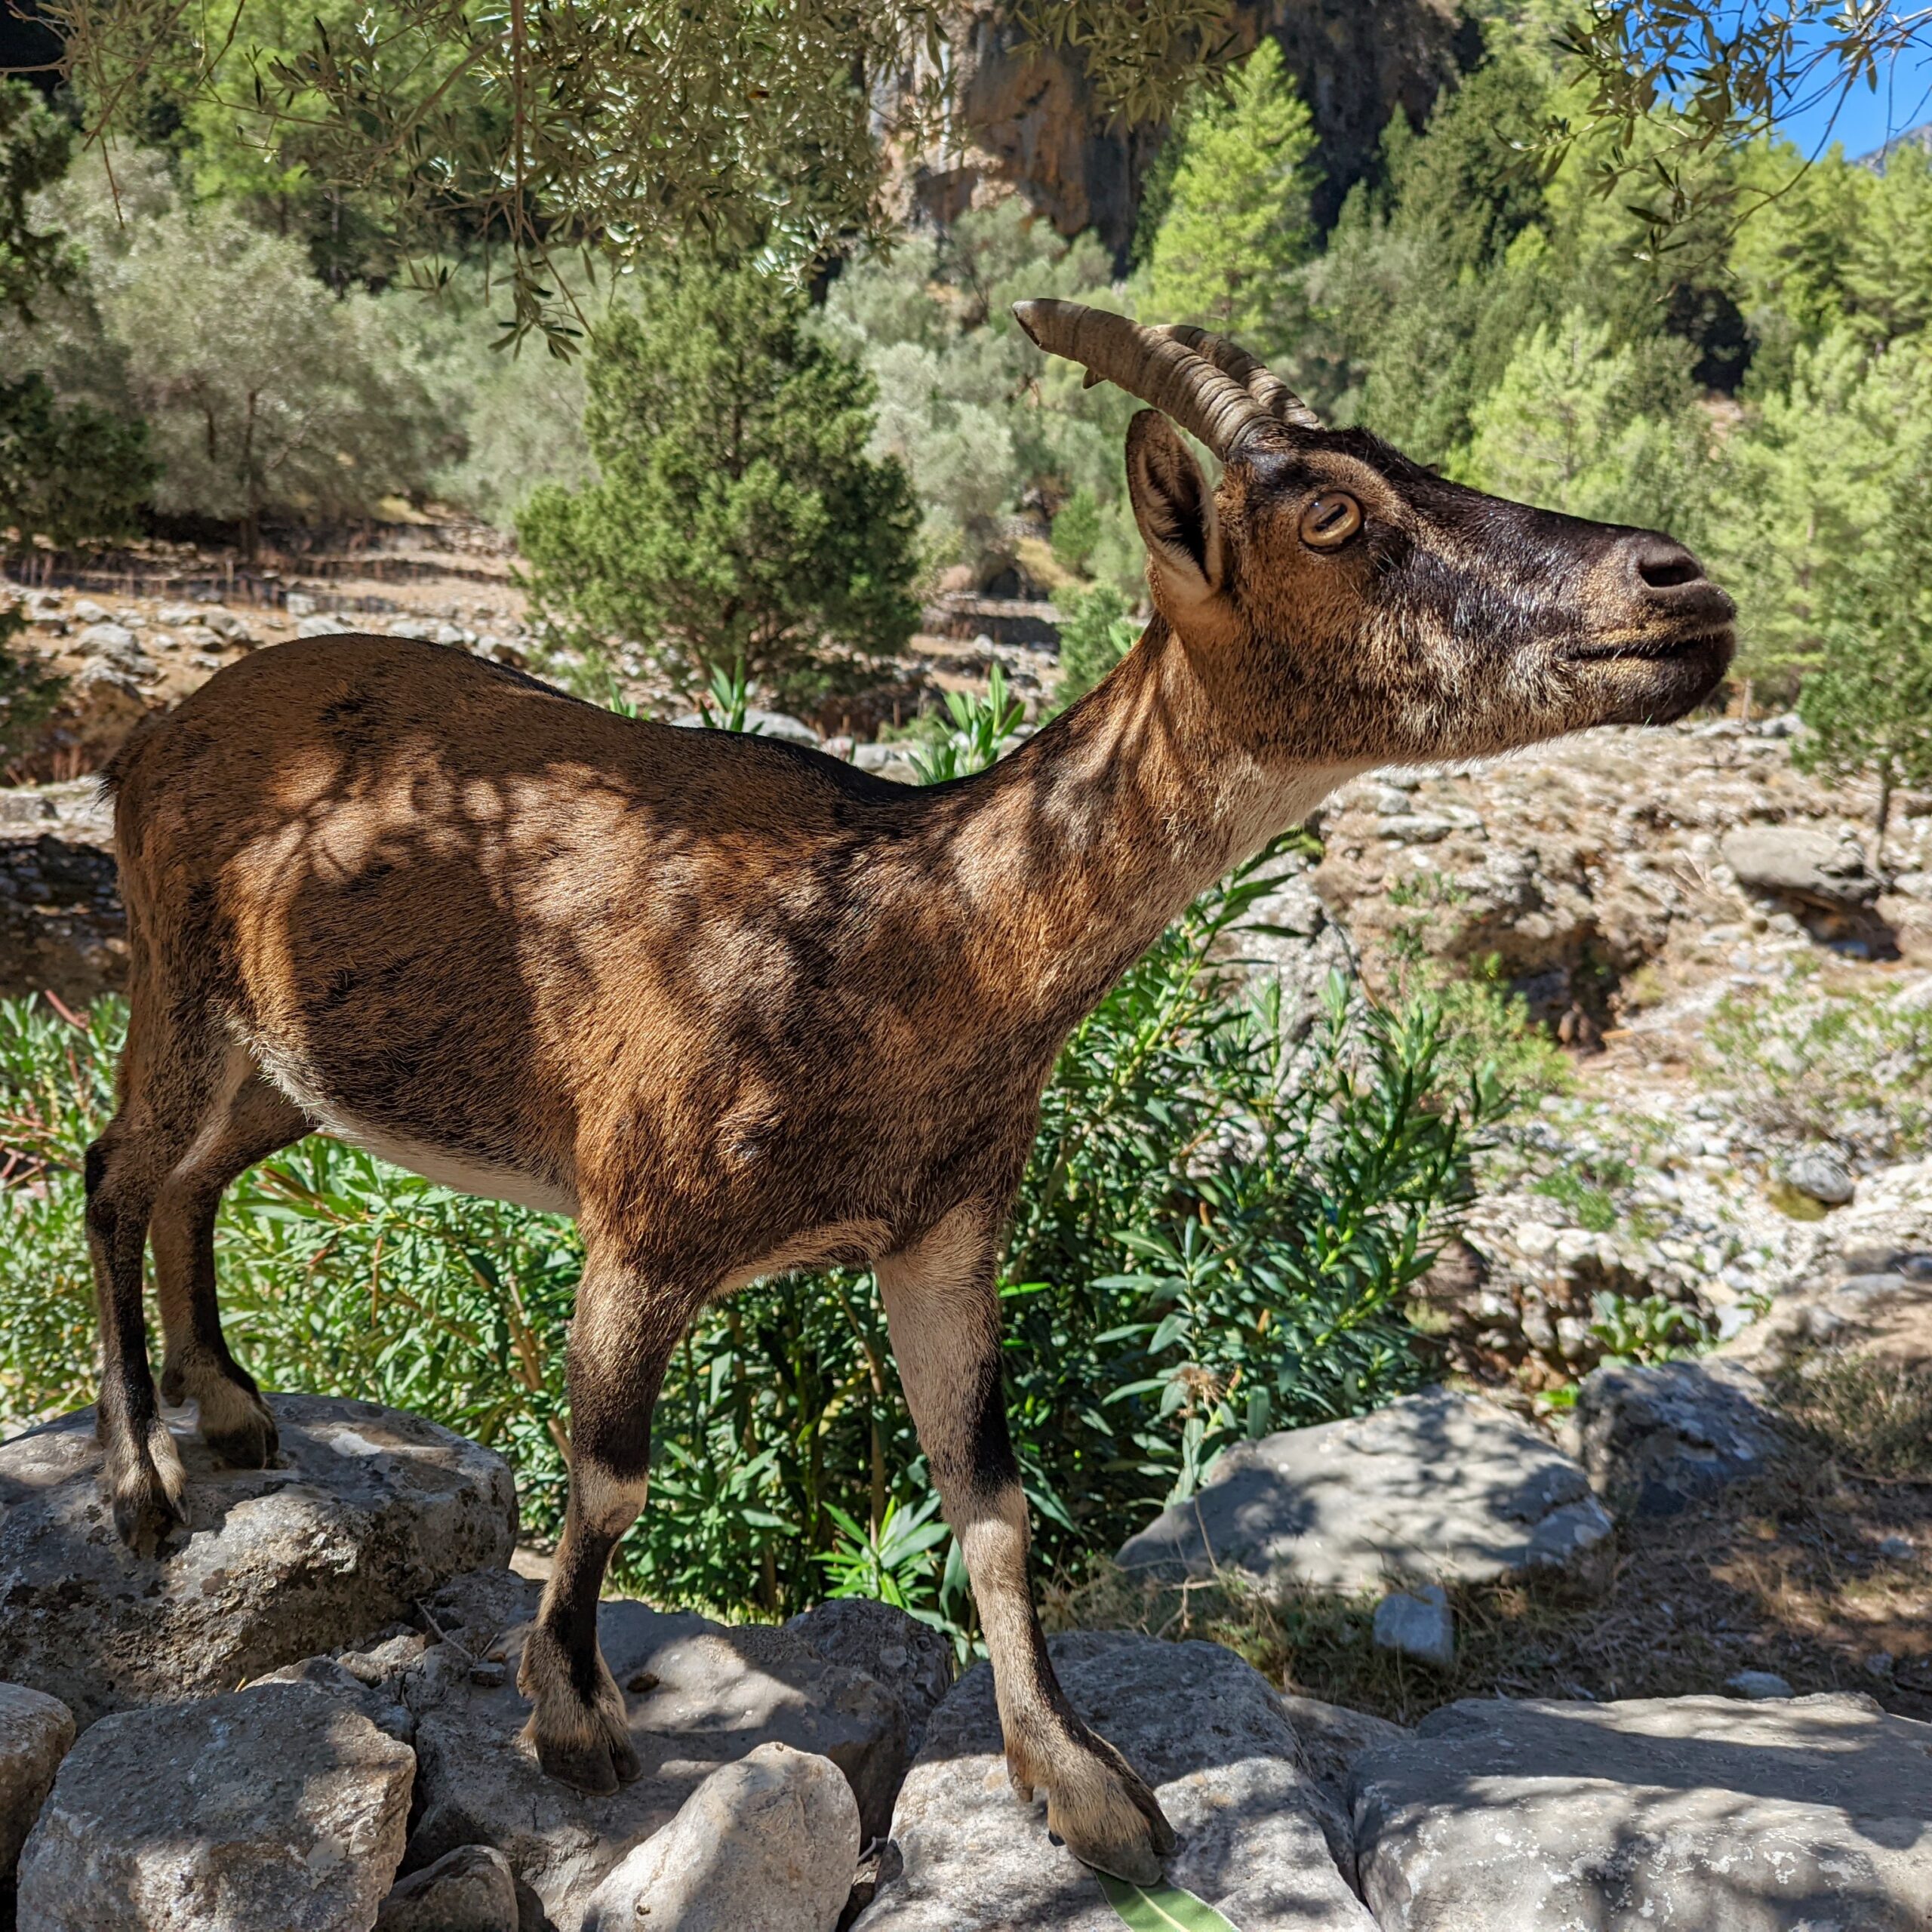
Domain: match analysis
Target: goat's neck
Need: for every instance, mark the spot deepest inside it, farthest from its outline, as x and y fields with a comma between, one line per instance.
x=1086, y=842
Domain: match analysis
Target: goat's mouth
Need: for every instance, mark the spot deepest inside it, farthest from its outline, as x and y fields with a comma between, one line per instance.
x=1657, y=680
x=1716, y=641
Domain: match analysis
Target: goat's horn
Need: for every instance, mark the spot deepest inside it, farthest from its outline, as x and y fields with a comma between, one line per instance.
x=1207, y=384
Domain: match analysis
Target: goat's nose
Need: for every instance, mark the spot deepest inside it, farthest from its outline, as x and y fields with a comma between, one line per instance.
x=1663, y=571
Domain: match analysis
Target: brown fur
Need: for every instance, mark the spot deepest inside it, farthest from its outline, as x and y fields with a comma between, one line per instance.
x=739, y=1008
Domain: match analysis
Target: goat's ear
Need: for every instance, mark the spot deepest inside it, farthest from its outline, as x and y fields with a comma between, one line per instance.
x=1175, y=509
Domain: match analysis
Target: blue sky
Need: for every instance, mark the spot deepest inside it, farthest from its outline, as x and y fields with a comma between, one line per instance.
x=1866, y=120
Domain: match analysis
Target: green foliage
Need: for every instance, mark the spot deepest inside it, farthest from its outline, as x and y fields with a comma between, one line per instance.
x=36, y=146
x=1237, y=221
x=737, y=515
x=1868, y=703
x=975, y=731
x=68, y=474
x=1578, y=425
x=1216, y=1235
x=1804, y=488
x=1811, y=1060
x=1649, y=1329
x=759, y=126
x=1160, y=1908
x=298, y=403
x=981, y=420
x=1076, y=529
x=1093, y=641
x=28, y=693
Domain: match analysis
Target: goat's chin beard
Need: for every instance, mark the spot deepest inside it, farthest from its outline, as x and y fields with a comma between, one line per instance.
x=1660, y=691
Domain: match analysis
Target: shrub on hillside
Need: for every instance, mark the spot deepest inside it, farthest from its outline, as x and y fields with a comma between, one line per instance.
x=737, y=517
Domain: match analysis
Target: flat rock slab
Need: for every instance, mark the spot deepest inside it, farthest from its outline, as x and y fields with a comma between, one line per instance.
x=1437, y=1488
x=274, y=1810
x=1701, y=1813
x=707, y=1695
x=1199, y=1723
x=370, y=1510
x=1656, y=1440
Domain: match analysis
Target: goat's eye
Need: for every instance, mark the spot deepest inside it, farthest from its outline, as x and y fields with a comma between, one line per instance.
x=1330, y=520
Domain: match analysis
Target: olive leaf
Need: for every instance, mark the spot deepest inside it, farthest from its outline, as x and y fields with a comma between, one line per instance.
x=1161, y=1908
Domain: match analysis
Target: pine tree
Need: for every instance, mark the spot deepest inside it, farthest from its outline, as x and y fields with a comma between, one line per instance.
x=737, y=516
x=1579, y=425
x=1868, y=700
x=1237, y=222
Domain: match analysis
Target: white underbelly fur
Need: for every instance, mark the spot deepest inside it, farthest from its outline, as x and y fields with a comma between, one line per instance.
x=465, y=1175
x=455, y=1171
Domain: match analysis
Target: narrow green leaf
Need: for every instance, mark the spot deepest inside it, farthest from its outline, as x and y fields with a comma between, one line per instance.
x=1161, y=1908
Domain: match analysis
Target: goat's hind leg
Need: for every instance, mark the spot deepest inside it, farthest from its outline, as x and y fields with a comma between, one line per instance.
x=235, y=1423
x=625, y=1329
x=174, y=1077
x=943, y=1309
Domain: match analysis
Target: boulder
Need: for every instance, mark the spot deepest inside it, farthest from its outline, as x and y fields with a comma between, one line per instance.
x=1703, y=1812
x=469, y=1889
x=1821, y=1174
x=36, y=1732
x=1802, y=863
x=1199, y=1723
x=771, y=1842
x=273, y=1810
x=699, y=1695
x=1332, y=1737
x=370, y=1510
x=1437, y=1487
x=1655, y=1439
x=910, y=1658
x=1418, y=1623
x=116, y=646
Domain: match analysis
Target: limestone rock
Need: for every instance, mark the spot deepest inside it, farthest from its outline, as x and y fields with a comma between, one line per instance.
x=117, y=647
x=910, y=1658
x=1655, y=1439
x=1332, y=1737
x=1418, y=1623
x=274, y=1810
x=1758, y=1685
x=771, y=1842
x=36, y=1732
x=1436, y=1486
x=469, y=1889
x=1821, y=1173
x=370, y=1510
x=1200, y=1726
x=1704, y=1812
x=335, y=1679
x=1800, y=862
x=704, y=1696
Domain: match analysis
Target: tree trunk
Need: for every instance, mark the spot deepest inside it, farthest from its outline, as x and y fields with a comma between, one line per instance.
x=1883, y=817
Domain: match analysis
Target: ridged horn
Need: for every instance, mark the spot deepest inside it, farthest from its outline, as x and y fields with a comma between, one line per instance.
x=1211, y=387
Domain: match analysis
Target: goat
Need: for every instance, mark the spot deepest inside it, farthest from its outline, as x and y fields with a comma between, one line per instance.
x=626, y=972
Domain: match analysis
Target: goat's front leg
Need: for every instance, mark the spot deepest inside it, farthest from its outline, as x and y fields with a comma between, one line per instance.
x=943, y=1310
x=625, y=1328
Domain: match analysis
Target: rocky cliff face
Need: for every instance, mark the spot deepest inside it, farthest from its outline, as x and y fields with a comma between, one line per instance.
x=1028, y=124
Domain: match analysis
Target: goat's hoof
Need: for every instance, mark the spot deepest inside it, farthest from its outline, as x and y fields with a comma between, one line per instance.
x=1107, y=1815
x=247, y=1438
x=583, y=1743
x=147, y=1505
x=595, y=1765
